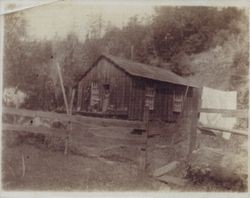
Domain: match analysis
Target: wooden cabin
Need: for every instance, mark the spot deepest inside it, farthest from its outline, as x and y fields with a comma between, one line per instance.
x=122, y=88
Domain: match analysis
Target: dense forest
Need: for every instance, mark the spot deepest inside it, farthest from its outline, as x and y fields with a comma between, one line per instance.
x=209, y=45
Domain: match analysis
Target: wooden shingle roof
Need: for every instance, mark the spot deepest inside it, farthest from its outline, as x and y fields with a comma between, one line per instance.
x=146, y=71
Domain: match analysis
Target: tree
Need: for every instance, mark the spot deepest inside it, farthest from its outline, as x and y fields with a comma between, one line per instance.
x=115, y=43
x=69, y=54
x=131, y=40
x=38, y=82
x=14, y=53
x=189, y=29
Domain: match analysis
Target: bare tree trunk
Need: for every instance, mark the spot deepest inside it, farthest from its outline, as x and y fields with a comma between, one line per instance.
x=63, y=89
x=55, y=96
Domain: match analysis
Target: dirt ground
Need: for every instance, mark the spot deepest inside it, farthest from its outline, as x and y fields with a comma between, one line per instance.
x=52, y=170
x=47, y=168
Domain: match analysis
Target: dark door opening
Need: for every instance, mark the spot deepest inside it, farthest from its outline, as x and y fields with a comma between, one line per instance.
x=106, y=98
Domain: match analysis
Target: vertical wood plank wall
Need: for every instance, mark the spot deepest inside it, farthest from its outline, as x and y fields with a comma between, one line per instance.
x=137, y=99
x=128, y=93
x=106, y=73
x=163, y=104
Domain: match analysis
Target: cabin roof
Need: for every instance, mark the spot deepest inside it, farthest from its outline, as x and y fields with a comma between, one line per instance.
x=146, y=71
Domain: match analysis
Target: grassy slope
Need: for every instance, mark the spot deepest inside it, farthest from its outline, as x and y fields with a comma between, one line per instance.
x=51, y=170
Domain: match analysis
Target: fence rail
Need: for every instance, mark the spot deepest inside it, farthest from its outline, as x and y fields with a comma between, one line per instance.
x=74, y=118
x=232, y=131
x=227, y=112
x=197, y=109
x=33, y=129
x=88, y=138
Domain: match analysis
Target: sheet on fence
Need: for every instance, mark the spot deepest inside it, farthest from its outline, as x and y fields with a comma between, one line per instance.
x=212, y=98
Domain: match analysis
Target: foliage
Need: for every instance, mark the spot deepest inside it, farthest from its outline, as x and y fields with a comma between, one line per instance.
x=14, y=31
x=191, y=41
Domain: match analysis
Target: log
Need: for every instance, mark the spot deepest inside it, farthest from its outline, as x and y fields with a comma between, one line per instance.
x=207, y=131
x=165, y=169
x=225, y=130
x=173, y=180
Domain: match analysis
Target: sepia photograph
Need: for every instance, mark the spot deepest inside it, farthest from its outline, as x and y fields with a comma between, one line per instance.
x=124, y=96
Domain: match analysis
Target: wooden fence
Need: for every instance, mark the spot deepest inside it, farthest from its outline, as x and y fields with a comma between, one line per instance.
x=225, y=113
x=196, y=110
x=243, y=113
x=105, y=139
x=74, y=118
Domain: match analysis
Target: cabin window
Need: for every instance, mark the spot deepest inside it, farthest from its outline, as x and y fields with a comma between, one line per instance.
x=94, y=97
x=177, y=101
x=150, y=97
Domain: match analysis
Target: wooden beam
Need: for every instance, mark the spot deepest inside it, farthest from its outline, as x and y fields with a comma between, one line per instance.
x=72, y=101
x=225, y=130
x=83, y=120
x=173, y=180
x=97, y=141
x=165, y=169
x=131, y=139
x=119, y=133
x=93, y=140
x=79, y=97
x=207, y=131
x=31, y=113
x=110, y=122
x=144, y=152
x=227, y=112
x=183, y=104
x=34, y=129
x=196, y=102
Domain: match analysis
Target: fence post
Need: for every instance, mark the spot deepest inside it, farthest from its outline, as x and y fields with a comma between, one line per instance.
x=196, y=102
x=23, y=165
x=144, y=151
x=69, y=126
x=72, y=101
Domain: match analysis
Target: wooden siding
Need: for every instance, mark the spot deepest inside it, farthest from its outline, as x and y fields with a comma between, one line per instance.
x=137, y=99
x=128, y=93
x=163, y=103
x=106, y=73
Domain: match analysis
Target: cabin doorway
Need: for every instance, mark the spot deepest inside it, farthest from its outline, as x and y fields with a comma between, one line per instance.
x=94, y=103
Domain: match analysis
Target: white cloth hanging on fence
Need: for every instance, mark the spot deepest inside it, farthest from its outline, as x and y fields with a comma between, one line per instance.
x=217, y=99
